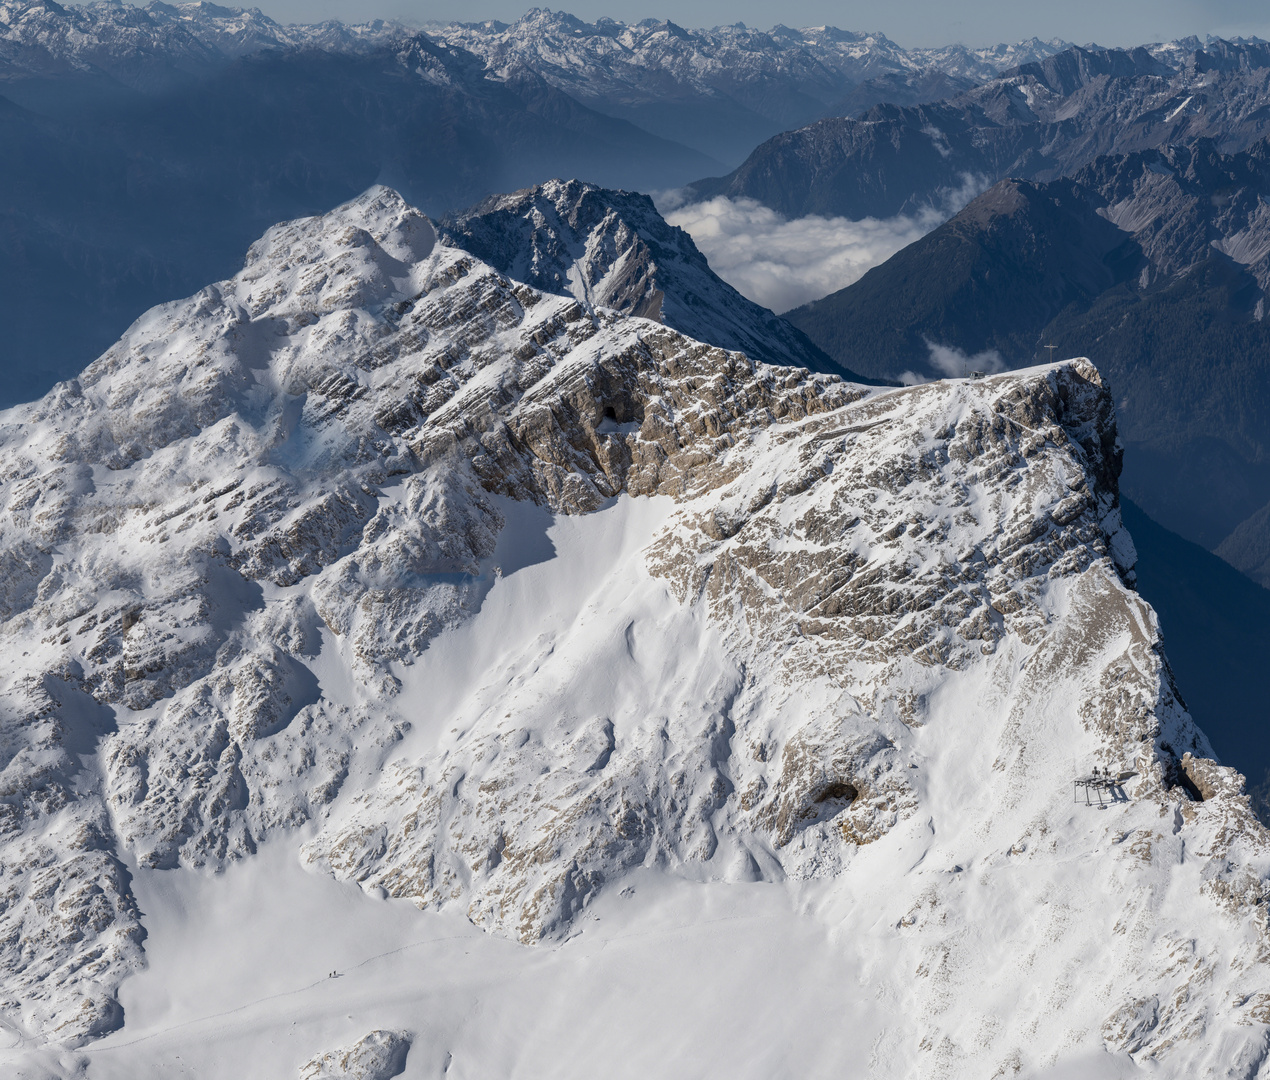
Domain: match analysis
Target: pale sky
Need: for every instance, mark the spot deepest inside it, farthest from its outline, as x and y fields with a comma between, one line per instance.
x=909, y=22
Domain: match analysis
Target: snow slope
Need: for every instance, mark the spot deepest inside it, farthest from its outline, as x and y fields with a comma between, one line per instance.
x=593, y=698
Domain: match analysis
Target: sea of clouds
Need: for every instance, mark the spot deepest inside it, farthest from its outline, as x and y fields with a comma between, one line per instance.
x=783, y=263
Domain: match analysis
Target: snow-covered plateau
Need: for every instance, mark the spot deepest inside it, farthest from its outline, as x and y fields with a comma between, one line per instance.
x=409, y=671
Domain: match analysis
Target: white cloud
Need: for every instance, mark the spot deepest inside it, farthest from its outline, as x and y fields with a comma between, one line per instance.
x=954, y=364
x=783, y=263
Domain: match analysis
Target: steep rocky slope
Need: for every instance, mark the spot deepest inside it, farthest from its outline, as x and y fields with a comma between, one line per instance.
x=613, y=249
x=264, y=563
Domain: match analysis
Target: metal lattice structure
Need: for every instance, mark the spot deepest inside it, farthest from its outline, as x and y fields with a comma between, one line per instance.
x=1099, y=781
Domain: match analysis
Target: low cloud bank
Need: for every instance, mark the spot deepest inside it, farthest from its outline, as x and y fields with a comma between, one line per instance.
x=781, y=263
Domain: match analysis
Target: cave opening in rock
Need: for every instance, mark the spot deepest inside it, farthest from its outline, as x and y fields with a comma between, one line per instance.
x=838, y=789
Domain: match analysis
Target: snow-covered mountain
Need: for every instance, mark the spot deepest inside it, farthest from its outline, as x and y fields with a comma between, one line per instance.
x=723, y=89
x=603, y=60
x=720, y=91
x=609, y=58
x=145, y=46
x=488, y=600
x=613, y=249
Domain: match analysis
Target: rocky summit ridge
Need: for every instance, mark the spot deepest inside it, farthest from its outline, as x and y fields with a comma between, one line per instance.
x=269, y=570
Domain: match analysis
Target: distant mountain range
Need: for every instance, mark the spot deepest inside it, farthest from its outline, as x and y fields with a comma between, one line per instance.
x=726, y=89
x=158, y=44
x=1038, y=121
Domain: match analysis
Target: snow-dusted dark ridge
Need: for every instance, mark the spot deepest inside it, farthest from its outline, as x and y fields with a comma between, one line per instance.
x=613, y=249
x=512, y=608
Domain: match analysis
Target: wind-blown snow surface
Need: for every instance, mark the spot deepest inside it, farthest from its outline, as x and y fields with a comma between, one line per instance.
x=593, y=699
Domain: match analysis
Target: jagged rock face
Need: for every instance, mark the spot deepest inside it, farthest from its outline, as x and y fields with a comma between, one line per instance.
x=613, y=249
x=837, y=631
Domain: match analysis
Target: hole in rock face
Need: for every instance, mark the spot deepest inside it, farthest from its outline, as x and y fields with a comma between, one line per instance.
x=838, y=789
x=1181, y=778
x=609, y=414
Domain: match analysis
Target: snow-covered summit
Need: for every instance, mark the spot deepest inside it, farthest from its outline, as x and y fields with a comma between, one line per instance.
x=491, y=598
